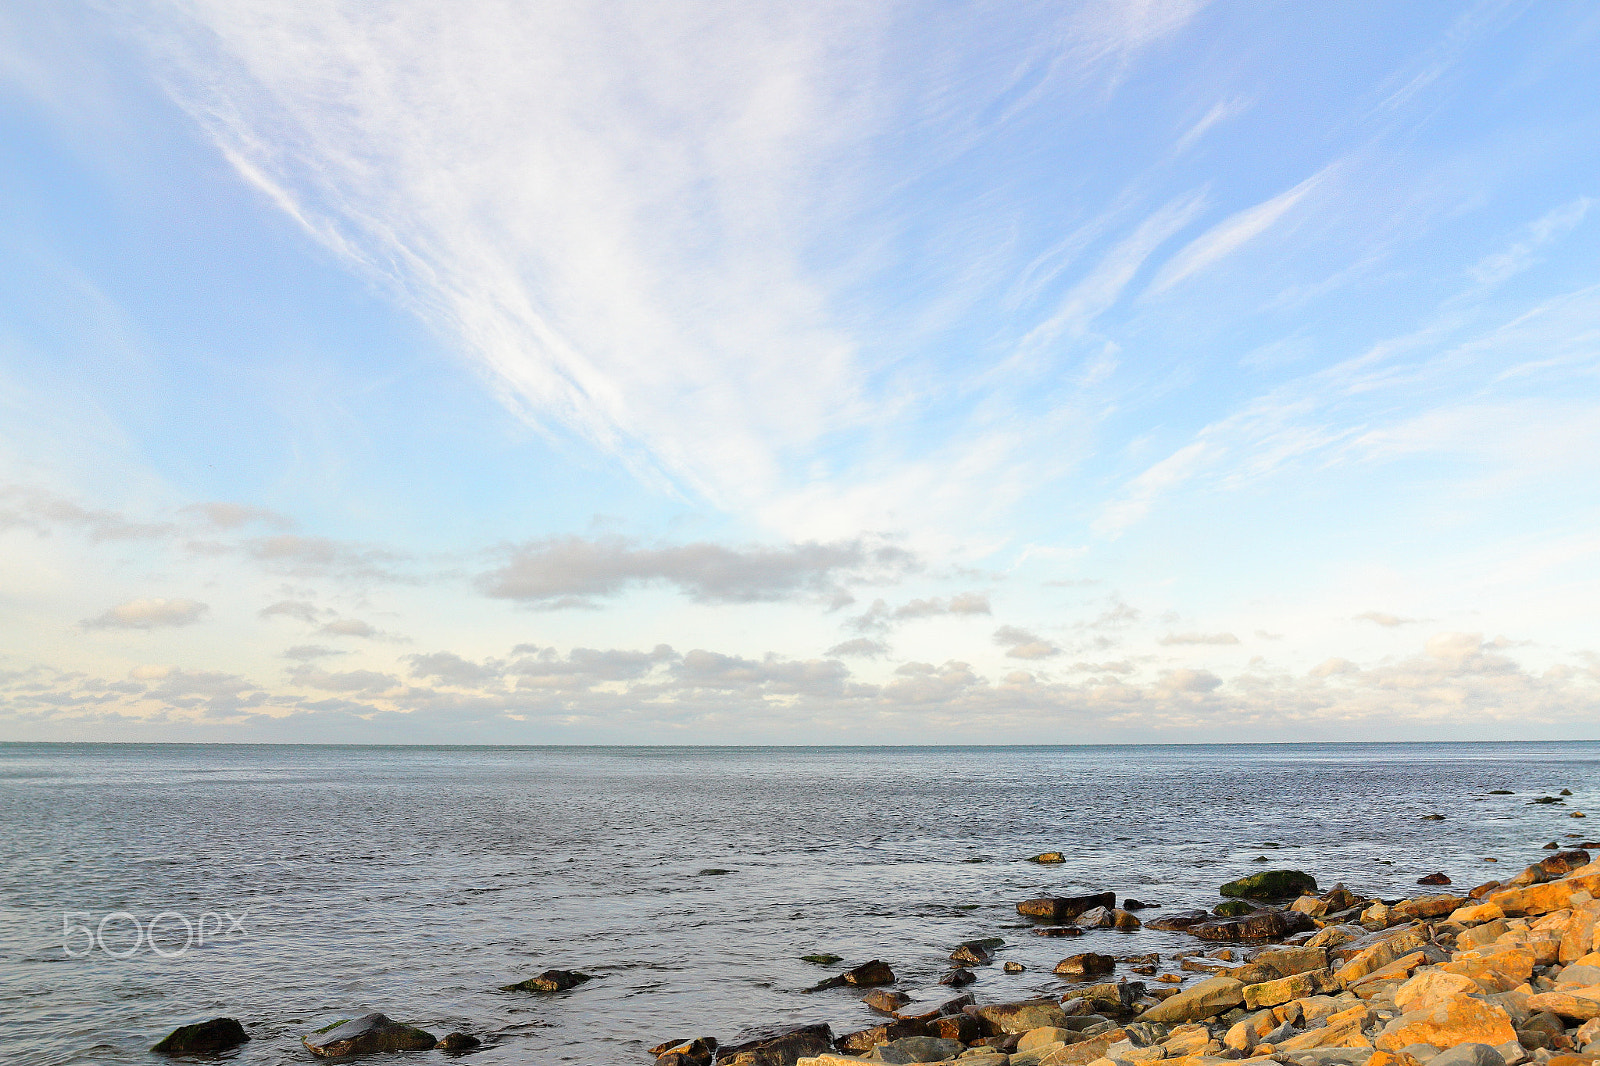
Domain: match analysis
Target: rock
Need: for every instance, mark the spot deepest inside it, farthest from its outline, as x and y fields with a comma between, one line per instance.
x=779, y=1045
x=1374, y=953
x=1179, y=921
x=876, y=972
x=1061, y=908
x=1108, y=918
x=971, y=954
x=1586, y=1034
x=1083, y=1052
x=1271, y=884
x=1284, y=989
x=1433, y=817
x=1013, y=967
x=466, y=1042
x=1047, y=1034
x=1286, y=962
x=1544, y=898
x=1427, y=906
x=918, y=1049
x=1048, y=858
x=1058, y=930
x=1086, y=964
x=927, y=1012
x=1542, y=1030
x=1580, y=1004
x=958, y=977
x=962, y=1027
x=822, y=959
x=696, y=1052
x=1203, y=1000
x=864, y=1040
x=1430, y=988
x=1260, y=925
x=1458, y=1020
x=1434, y=879
x=1468, y=1055
x=549, y=981
x=365, y=1035
x=1551, y=867
x=1021, y=1016
x=1131, y=904
x=885, y=1001
x=1234, y=908
x=203, y=1038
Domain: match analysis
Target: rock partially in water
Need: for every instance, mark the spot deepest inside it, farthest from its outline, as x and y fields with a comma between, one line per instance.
x=971, y=954
x=776, y=1045
x=822, y=959
x=1109, y=918
x=1058, y=930
x=203, y=1038
x=919, y=1049
x=549, y=981
x=461, y=1042
x=367, y=1035
x=1021, y=1016
x=1062, y=908
x=1272, y=884
x=1260, y=925
x=885, y=1000
x=1434, y=879
x=1014, y=967
x=876, y=972
x=863, y=1041
x=958, y=977
x=1235, y=908
x=1048, y=858
x=962, y=1027
x=1086, y=964
x=1179, y=921
x=1131, y=904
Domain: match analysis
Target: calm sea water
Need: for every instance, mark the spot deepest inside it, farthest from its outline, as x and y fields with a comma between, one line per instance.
x=415, y=881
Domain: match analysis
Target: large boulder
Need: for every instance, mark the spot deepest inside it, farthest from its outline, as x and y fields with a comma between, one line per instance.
x=1458, y=1020
x=366, y=1035
x=864, y=1040
x=203, y=1038
x=778, y=1045
x=1179, y=921
x=1259, y=925
x=1272, y=884
x=1021, y=1016
x=1062, y=908
x=1579, y=1004
x=919, y=1049
x=1198, y=1002
x=1544, y=898
x=1551, y=867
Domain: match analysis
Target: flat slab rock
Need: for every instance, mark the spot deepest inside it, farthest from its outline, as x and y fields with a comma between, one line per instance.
x=365, y=1035
x=203, y=1038
x=1059, y=908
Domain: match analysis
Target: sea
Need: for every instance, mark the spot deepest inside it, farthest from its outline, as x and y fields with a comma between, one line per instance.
x=147, y=886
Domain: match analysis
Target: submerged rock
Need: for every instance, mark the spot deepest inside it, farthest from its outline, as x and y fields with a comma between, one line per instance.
x=462, y=1042
x=1179, y=921
x=1048, y=858
x=1272, y=884
x=366, y=1035
x=1058, y=930
x=549, y=981
x=1236, y=908
x=885, y=1001
x=876, y=972
x=202, y=1038
x=971, y=953
x=822, y=959
x=1434, y=879
x=958, y=977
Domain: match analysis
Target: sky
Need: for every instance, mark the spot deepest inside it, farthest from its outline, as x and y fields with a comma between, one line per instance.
x=753, y=372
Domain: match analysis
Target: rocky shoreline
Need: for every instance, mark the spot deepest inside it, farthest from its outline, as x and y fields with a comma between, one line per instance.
x=1505, y=974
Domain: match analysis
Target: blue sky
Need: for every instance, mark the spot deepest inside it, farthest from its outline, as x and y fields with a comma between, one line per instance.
x=846, y=373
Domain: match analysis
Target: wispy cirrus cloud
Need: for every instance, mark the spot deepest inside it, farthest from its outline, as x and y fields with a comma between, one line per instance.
x=149, y=613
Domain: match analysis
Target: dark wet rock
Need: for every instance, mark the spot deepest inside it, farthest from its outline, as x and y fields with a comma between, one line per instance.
x=462, y=1042
x=1484, y=889
x=1014, y=967
x=549, y=981
x=1178, y=921
x=876, y=972
x=203, y=1038
x=1501, y=792
x=1433, y=817
x=1061, y=908
x=1086, y=964
x=1548, y=799
x=928, y=1012
x=1233, y=908
x=958, y=977
x=714, y=871
x=885, y=1000
x=696, y=1045
x=823, y=959
x=1340, y=898
x=1566, y=792
x=1109, y=918
x=1020, y=1016
x=1261, y=925
x=1551, y=867
x=1272, y=884
x=971, y=954
x=778, y=1045
x=1058, y=930
x=1131, y=904
x=366, y=1035
x=1111, y=997
x=919, y=1049
x=864, y=1040
x=962, y=1027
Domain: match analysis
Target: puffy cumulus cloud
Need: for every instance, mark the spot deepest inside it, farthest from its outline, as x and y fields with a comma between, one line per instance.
x=1199, y=638
x=301, y=556
x=859, y=648
x=1023, y=644
x=350, y=627
x=574, y=571
x=149, y=614
x=1383, y=618
x=880, y=617
x=539, y=694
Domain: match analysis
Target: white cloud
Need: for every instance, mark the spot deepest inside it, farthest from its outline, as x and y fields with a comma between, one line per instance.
x=149, y=614
x=1200, y=638
x=1231, y=233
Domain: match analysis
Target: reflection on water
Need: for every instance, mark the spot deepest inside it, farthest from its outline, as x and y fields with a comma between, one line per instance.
x=415, y=881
